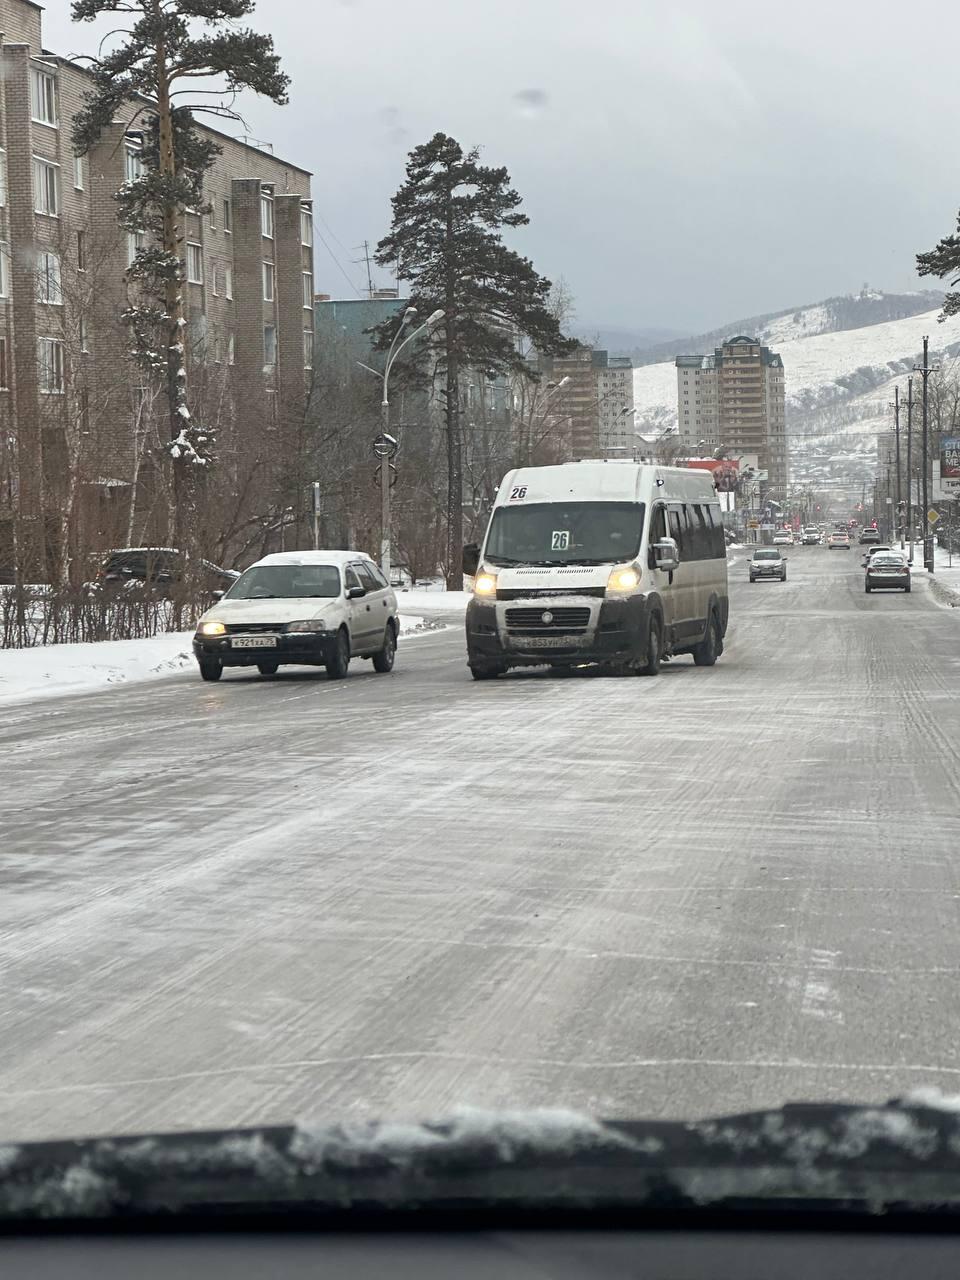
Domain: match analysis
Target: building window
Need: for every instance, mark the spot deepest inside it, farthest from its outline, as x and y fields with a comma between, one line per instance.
x=307, y=278
x=231, y=352
x=3, y=177
x=266, y=216
x=82, y=333
x=306, y=226
x=132, y=163
x=271, y=404
x=269, y=281
x=269, y=344
x=4, y=375
x=81, y=251
x=308, y=348
x=4, y=268
x=228, y=282
x=136, y=240
x=194, y=263
x=227, y=217
x=49, y=280
x=46, y=187
x=213, y=215
x=214, y=279
x=78, y=172
x=50, y=362
x=43, y=96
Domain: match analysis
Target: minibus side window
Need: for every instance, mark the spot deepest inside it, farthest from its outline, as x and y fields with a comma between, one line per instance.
x=718, y=543
x=658, y=531
x=676, y=531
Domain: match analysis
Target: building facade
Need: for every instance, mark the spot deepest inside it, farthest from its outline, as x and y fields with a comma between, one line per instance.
x=736, y=400
x=615, y=405
x=78, y=427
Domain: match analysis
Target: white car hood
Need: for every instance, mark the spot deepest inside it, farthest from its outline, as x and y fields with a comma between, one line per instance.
x=280, y=611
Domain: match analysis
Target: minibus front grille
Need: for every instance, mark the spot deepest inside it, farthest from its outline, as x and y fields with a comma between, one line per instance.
x=545, y=620
x=543, y=593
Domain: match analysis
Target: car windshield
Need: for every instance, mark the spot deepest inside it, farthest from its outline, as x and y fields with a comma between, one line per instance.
x=286, y=581
x=887, y=560
x=767, y=555
x=565, y=533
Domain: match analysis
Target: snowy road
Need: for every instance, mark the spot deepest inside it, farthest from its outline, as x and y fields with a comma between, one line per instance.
x=266, y=900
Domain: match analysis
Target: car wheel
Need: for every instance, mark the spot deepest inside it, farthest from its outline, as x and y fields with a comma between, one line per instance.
x=752, y=578
x=652, y=665
x=339, y=660
x=783, y=577
x=708, y=650
x=212, y=670
x=907, y=588
x=866, y=588
x=383, y=661
x=486, y=673
x=268, y=668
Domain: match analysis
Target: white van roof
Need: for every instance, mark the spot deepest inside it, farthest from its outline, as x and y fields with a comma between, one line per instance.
x=614, y=481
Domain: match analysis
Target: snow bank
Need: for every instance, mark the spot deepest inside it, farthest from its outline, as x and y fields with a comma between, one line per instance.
x=49, y=670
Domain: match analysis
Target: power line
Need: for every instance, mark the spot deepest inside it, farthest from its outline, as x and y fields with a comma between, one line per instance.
x=358, y=292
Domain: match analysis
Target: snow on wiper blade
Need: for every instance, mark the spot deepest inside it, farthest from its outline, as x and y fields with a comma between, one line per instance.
x=841, y=1158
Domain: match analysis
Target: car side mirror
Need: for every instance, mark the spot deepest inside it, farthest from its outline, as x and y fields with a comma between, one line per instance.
x=218, y=594
x=471, y=559
x=355, y=593
x=666, y=555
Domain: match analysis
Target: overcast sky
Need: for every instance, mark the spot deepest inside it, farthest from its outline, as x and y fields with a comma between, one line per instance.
x=682, y=165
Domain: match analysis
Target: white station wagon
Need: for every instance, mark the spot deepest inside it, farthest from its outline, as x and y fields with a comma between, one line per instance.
x=309, y=608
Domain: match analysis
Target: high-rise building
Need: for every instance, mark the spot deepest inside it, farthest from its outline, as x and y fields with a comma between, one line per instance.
x=615, y=405
x=736, y=400
x=75, y=431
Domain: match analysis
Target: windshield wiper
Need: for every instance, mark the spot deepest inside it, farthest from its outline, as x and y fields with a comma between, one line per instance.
x=903, y=1157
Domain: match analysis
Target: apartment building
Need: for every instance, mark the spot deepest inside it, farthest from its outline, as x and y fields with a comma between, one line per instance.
x=736, y=400
x=75, y=421
x=615, y=405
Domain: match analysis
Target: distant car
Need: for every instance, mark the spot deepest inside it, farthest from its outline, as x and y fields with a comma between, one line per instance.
x=872, y=551
x=869, y=535
x=783, y=538
x=887, y=569
x=811, y=536
x=307, y=608
x=838, y=541
x=161, y=569
x=767, y=562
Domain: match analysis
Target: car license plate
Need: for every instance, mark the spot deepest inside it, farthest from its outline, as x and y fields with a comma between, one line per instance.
x=546, y=642
x=254, y=642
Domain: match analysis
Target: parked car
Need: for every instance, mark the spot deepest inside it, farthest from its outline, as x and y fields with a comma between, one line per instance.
x=160, y=568
x=887, y=569
x=307, y=608
x=838, y=541
x=869, y=535
x=768, y=562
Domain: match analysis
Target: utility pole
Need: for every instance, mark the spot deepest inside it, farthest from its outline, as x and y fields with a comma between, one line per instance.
x=924, y=370
x=910, y=464
x=366, y=259
x=896, y=432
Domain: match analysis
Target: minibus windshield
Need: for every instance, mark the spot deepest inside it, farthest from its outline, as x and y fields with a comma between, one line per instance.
x=565, y=533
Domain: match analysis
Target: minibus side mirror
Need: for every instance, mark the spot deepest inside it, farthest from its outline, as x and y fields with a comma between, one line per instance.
x=666, y=555
x=471, y=559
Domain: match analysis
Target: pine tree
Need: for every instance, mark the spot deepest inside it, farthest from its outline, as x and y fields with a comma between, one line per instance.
x=169, y=44
x=944, y=261
x=446, y=241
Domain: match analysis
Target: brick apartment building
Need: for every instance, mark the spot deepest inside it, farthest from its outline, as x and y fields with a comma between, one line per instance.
x=593, y=411
x=735, y=399
x=75, y=423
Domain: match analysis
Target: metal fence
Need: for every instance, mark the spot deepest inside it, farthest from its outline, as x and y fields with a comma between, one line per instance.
x=39, y=615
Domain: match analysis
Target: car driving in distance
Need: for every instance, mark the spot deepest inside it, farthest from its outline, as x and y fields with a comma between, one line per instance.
x=768, y=562
x=885, y=570
x=869, y=534
x=811, y=536
x=612, y=563
x=838, y=541
x=872, y=551
x=308, y=608
x=783, y=538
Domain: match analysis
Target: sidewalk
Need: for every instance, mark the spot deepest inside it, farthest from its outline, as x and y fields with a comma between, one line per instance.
x=945, y=580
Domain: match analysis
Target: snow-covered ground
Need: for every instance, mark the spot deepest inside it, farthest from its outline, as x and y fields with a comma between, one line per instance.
x=46, y=670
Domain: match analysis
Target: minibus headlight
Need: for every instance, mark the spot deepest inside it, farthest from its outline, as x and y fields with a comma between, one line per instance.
x=623, y=580
x=485, y=584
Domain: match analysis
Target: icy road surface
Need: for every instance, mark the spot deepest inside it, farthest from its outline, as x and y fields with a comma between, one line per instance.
x=268, y=900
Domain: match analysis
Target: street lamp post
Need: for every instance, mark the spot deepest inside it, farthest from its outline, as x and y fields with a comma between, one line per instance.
x=925, y=371
x=386, y=441
x=910, y=465
x=896, y=432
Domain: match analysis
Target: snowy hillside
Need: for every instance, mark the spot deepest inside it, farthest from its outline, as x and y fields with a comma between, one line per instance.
x=835, y=381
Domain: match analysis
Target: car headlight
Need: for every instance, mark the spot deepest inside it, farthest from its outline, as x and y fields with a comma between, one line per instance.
x=623, y=580
x=212, y=629
x=485, y=584
x=306, y=624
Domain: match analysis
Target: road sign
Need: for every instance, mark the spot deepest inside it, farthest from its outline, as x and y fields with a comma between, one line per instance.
x=385, y=446
x=933, y=515
x=753, y=524
x=393, y=475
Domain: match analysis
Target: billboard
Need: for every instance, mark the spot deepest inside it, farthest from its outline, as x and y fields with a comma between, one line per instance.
x=950, y=458
x=726, y=471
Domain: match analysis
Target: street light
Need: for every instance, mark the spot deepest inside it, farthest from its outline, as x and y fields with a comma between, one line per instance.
x=409, y=316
